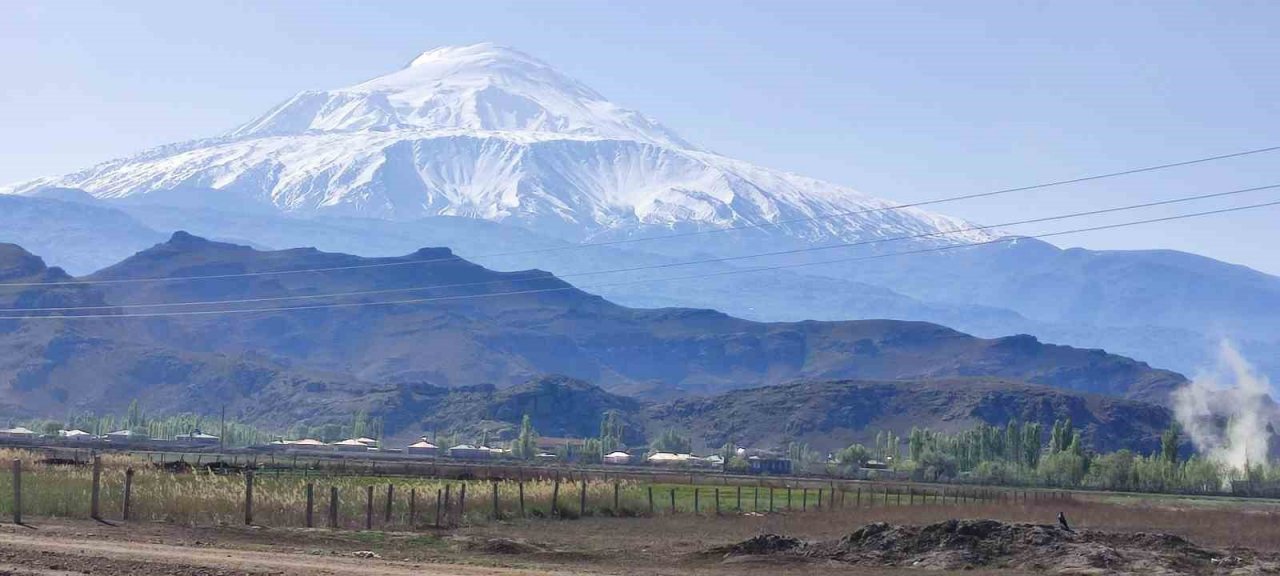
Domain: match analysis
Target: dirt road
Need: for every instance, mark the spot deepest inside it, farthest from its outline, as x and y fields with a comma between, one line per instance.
x=62, y=554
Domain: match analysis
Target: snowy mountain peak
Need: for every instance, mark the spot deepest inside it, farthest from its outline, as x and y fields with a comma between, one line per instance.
x=477, y=87
x=489, y=132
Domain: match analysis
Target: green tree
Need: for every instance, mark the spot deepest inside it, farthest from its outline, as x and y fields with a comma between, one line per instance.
x=611, y=431
x=526, y=445
x=1169, y=443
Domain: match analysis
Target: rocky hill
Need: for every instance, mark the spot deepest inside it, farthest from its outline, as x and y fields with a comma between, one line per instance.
x=827, y=415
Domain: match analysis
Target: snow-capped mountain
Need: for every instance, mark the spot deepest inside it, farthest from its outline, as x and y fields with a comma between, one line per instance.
x=489, y=132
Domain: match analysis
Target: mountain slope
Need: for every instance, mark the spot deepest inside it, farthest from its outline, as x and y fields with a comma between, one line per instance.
x=472, y=329
x=50, y=367
x=828, y=415
x=84, y=236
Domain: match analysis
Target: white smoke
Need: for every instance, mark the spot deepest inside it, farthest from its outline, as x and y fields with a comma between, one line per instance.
x=1235, y=391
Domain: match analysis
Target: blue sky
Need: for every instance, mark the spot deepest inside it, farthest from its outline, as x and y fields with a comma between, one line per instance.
x=904, y=100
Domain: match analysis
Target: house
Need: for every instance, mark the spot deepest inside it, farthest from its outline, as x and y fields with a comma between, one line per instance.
x=352, y=445
x=768, y=465
x=306, y=444
x=715, y=460
x=619, y=458
x=197, y=438
x=18, y=432
x=571, y=448
x=125, y=436
x=370, y=442
x=422, y=448
x=669, y=459
x=469, y=452
x=76, y=436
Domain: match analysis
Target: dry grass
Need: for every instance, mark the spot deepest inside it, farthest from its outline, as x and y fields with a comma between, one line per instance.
x=1247, y=524
x=204, y=499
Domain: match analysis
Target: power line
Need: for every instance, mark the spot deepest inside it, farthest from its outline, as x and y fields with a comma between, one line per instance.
x=647, y=280
x=545, y=276
x=675, y=235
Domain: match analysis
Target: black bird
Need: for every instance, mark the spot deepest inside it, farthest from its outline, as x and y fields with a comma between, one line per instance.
x=1062, y=521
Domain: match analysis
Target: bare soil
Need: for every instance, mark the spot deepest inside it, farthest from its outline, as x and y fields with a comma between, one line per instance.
x=968, y=544
x=1138, y=536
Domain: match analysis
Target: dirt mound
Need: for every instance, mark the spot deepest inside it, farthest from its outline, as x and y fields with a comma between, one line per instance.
x=762, y=545
x=502, y=546
x=960, y=544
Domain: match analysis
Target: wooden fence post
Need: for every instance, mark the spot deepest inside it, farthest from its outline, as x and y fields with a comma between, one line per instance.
x=248, y=497
x=771, y=499
x=804, y=499
x=333, y=507
x=439, y=498
x=462, y=502
x=818, y=505
x=521, y=486
x=651, y=500
x=448, y=501
x=17, y=491
x=93, y=496
x=555, y=496
x=582, y=498
x=391, y=490
x=616, y=500
x=788, y=498
x=128, y=492
x=739, y=506
x=717, y=490
x=495, y=500
x=368, y=508
x=311, y=504
x=673, y=500
x=413, y=508
x=857, y=498
x=696, y=508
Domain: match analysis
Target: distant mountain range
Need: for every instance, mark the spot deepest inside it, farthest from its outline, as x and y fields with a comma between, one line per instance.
x=464, y=325
x=490, y=151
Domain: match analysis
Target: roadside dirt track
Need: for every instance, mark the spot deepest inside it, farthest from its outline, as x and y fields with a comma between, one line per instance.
x=58, y=555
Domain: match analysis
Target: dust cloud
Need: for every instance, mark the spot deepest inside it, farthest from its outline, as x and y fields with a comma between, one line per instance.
x=1224, y=411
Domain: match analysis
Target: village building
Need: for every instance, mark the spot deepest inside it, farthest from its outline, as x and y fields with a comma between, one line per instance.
x=76, y=436
x=125, y=436
x=352, y=445
x=617, y=458
x=197, y=438
x=422, y=448
x=469, y=452
x=768, y=465
x=18, y=432
x=306, y=444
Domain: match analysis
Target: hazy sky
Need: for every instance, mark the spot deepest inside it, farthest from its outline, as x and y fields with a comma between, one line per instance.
x=906, y=100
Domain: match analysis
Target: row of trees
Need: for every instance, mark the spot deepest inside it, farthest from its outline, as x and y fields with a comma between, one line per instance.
x=1018, y=454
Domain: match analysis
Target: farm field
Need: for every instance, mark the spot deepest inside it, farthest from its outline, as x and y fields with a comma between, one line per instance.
x=185, y=522
x=660, y=545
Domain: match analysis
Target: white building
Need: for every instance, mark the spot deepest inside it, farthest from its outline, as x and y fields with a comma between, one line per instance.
x=18, y=432
x=619, y=458
x=422, y=448
x=125, y=436
x=352, y=445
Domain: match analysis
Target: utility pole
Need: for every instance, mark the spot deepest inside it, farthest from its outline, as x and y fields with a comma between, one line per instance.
x=222, y=431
